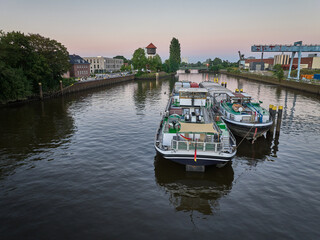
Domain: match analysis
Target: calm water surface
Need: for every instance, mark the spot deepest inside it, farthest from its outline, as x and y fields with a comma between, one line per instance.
x=84, y=167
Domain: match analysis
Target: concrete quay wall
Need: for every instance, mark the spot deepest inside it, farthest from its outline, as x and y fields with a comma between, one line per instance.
x=81, y=86
x=302, y=86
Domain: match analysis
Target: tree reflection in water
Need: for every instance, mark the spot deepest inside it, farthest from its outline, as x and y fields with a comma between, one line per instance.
x=190, y=191
x=30, y=129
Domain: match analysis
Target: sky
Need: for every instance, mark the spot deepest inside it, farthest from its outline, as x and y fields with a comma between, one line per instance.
x=204, y=28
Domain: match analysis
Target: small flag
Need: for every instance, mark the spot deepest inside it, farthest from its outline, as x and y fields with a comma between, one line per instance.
x=195, y=151
x=186, y=138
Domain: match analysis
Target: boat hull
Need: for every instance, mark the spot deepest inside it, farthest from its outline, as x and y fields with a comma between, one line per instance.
x=202, y=159
x=247, y=130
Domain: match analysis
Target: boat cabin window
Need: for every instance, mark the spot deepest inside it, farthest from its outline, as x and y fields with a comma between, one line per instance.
x=185, y=94
x=200, y=95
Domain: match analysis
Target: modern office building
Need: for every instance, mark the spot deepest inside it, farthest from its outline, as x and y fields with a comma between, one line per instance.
x=101, y=64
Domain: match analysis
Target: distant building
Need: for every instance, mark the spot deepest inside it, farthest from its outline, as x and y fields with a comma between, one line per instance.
x=101, y=64
x=255, y=64
x=79, y=67
x=282, y=59
x=151, y=50
x=310, y=62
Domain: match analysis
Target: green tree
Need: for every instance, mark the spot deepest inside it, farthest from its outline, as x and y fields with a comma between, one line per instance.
x=53, y=58
x=155, y=63
x=29, y=59
x=278, y=72
x=125, y=60
x=216, y=61
x=125, y=68
x=166, y=66
x=175, y=55
x=13, y=84
x=139, y=59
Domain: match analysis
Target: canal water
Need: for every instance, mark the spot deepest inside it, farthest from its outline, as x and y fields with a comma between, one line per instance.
x=84, y=167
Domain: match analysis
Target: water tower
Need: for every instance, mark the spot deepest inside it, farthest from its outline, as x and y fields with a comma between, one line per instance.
x=151, y=50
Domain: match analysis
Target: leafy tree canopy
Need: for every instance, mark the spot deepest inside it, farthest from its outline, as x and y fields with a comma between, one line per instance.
x=175, y=55
x=155, y=63
x=123, y=58
x=139, y=59
x=26, y=60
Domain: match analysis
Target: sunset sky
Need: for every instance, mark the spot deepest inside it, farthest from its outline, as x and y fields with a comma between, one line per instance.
x=204, y=28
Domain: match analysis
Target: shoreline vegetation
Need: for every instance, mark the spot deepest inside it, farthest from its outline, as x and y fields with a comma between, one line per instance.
x=72, y=85
x=32, y=66
x=302, y=85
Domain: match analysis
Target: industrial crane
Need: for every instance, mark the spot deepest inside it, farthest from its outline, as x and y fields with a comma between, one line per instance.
x=241, y=61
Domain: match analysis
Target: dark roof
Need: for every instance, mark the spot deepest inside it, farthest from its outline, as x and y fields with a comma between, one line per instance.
x=151, y=46
x=76, y=59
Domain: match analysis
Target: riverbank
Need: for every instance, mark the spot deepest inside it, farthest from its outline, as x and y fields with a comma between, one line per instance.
x=73, y=88
x=89, y=84
x=148, y=76
x=302, y=86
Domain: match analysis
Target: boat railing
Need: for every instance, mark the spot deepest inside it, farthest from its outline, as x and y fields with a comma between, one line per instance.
x=201, y=146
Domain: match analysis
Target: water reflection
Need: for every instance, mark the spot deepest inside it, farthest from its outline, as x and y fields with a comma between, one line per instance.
x=259, y=150
x=30, y=129
x=193, y=191
x=148, y=91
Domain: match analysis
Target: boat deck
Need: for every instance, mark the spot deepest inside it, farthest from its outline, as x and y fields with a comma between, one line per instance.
x=248, y=108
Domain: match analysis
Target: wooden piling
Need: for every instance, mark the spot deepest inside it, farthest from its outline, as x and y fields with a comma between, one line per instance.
x=273, y=115
x=40, y=91
x=61, y=88
x=270, y=111
x=279, y=118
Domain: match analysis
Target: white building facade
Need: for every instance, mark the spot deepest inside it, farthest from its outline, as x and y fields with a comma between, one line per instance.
x=101, y=64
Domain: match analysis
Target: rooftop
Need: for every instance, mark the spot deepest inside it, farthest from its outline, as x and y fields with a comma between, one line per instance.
x=151, y=46
x=76, y=59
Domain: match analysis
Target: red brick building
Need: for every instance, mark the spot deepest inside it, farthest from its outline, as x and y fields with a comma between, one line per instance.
x=79, y=67
x=267, y=60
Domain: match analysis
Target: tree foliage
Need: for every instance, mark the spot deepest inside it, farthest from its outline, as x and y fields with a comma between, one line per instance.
x=175, y=55
x=125, y=68
x=278, y=72
x=139, y=59
x=26, y=60
x=123, y=58
x=166, y=66
x=155, y=63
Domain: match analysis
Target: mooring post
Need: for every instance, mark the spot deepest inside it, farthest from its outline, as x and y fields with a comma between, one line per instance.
x=270, y=111
x=279, y=118
x=157, y=76
x=40, y=91
x=274, y=111
x=61, y=86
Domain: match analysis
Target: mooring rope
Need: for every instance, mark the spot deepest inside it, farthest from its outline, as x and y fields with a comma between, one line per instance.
x=245, y=136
